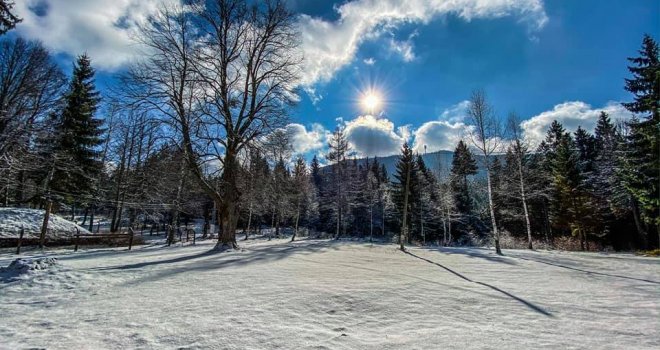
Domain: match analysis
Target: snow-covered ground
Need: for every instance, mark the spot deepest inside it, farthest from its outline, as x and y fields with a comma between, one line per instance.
x=13, y=219
x=331, y=295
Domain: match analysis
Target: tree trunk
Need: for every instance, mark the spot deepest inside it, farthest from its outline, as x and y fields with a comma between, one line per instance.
x=421, y=219
x=249, y=223
x=382, y=224
x=229, y=210
x=85, y=217
x=339, y=184
x=44, y=226
x=228, y=217
x=638, y=223
x=278, y=219
x=449, y=226
x=444, y=230
x=91, y=218
x=371, y=223
x=524, y=202
x=549, y=238
x=404, y=225
x=295, y=232
x=491, y=205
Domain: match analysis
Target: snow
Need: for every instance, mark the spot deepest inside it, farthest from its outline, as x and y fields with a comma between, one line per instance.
x=317, y=294
x=12, y=219
x=21, y=267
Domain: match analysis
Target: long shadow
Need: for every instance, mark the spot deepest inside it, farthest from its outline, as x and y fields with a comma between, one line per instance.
x=473, y=253
x=520, y=300
x=211, y=259
x=160, y=262
x=586, y=271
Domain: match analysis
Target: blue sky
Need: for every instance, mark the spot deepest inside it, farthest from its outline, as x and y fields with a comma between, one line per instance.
x=553, y=59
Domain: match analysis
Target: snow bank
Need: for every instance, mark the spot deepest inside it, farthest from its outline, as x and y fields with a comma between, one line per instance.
x=20, y=267
x=12, y=219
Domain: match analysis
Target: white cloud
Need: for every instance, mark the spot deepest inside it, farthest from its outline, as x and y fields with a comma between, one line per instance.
x=443, y=134
x=439, y=135
x=456, y=113
x=369, y=61
x=304, y=141
x=371, y=136
x=102, y=28
x=402, y=48
x=330, y=45
x=571, y=115
x=99, y=27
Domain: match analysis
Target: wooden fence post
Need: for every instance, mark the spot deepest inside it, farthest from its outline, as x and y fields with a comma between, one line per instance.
x=130, y=238
x=44, y=226
x=20, y=240
x=75, y=249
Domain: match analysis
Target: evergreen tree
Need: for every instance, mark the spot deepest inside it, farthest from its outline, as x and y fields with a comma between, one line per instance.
x=643, y=148
x=316, y=172
x=603, y=179
x=303, y=195
x=406, y=170
x=281, y=192
x=463, y=165
x=77, y=135
x=338, y=150
x=569, y=203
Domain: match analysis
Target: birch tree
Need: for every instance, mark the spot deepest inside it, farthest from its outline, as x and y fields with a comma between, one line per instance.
x=485, y=136
x=520, y=153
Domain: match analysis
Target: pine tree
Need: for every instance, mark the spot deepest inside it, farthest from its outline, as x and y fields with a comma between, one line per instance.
x=643, y=147
x=463, y=165
x=338, y=150
x=570, y=209
x=281, y=194
x=603, y=179
x=385, y=195
x=316, y=172
x=406, y=170
x=77, y=135
x=585, y=145
x=302, y=192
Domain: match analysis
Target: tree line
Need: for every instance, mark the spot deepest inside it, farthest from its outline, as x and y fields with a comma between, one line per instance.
x=194, y=128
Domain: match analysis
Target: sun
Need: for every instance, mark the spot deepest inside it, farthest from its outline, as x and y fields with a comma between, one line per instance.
x=371, y=100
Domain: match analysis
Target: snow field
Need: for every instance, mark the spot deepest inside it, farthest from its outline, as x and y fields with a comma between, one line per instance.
x=333, y=295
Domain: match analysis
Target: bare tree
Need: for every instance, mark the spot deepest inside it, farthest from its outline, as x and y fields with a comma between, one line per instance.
x=485, y=136
x=8, y=20
x=223, y=74
x=31, y=84
x=520, y=152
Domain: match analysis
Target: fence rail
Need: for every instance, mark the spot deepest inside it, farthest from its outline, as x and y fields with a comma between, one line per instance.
x=76, y=240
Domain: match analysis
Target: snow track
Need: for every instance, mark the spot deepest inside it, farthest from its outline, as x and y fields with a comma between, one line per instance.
x=333, y=295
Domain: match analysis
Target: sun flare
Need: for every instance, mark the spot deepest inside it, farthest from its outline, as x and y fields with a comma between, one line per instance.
x=371, y=101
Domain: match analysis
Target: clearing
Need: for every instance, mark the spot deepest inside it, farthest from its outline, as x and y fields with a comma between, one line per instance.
x=317, y=294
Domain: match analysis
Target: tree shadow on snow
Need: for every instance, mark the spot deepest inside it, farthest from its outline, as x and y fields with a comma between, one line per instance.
x=542, y=261
x=518, y=299
x=474, y=253
x=213, y=260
